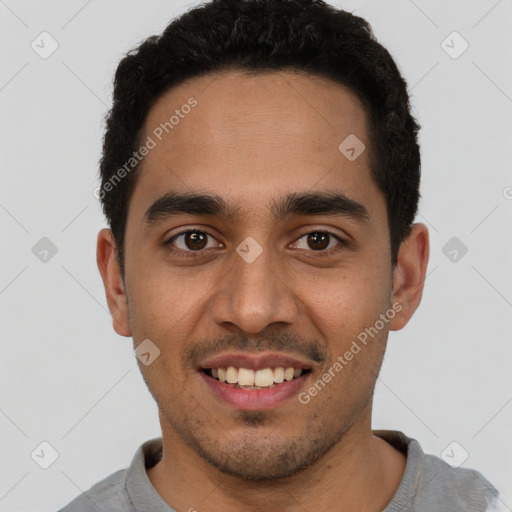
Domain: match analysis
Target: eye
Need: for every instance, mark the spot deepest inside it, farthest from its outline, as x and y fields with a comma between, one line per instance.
x=319, y=241
x=191, y=241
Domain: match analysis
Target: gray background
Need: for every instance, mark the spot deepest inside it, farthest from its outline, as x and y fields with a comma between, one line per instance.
x=68, y=379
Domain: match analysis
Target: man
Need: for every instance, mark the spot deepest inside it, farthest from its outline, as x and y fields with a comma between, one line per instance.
x=260, y=176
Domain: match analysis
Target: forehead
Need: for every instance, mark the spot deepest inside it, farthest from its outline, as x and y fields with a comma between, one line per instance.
x=280, y=109
x=251, y=136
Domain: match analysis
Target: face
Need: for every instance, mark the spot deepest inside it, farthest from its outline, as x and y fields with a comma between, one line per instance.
x=253, y=242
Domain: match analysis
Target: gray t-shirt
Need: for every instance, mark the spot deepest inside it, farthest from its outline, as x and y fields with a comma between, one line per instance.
x=429, y=484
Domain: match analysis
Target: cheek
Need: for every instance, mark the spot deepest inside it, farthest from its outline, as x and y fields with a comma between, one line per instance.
x=167, y=307
x=342, y=304
x=164, y=294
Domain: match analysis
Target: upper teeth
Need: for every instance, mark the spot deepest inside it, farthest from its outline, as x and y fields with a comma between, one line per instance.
x=263, y=378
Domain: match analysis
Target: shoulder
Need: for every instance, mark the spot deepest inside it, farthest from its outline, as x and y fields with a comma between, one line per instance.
x=429, y=483
x=464, y=488
x=108, y=494
x=116, y=492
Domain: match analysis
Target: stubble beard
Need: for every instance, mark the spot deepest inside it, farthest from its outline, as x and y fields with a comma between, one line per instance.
x=259, y=457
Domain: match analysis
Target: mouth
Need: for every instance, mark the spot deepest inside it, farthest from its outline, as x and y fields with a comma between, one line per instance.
x=254, y=382
x=247, y=378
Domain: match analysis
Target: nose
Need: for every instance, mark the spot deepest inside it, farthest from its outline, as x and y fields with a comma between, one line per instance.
x=255, y=294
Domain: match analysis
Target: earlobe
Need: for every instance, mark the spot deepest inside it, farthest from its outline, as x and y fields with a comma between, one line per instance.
x=409, y=275
x=113, y=282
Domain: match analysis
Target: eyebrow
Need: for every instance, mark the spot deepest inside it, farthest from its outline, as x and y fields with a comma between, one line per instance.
x=294, y=204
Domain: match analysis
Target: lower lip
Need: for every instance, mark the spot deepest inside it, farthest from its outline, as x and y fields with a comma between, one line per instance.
x=254, y=399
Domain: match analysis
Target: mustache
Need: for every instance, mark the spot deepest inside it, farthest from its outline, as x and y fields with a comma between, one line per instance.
x=279, y=342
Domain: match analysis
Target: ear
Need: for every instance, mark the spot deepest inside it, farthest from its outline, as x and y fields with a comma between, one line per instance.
x=113, y=282
x=409, y=275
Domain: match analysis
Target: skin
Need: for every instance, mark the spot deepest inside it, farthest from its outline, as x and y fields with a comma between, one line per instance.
x=250, y=140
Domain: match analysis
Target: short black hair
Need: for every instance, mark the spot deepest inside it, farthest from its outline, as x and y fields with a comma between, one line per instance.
x=266, y=35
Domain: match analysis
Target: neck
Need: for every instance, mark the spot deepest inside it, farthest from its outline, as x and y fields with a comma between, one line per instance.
x=361, y=472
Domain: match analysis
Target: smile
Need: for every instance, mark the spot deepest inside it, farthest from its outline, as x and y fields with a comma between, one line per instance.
x=247, y=378
x=254, y=381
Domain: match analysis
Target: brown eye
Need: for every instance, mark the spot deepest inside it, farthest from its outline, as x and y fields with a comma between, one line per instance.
x=192, y=241
x=318, y=241
x=322, y=242
x=195, y=240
